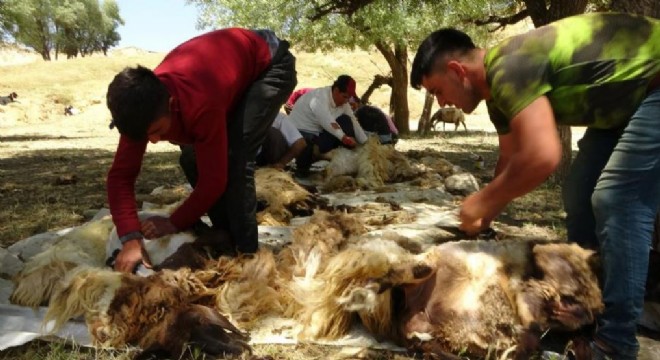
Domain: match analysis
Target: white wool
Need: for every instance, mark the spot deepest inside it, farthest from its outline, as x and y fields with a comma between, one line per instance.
x=344, y=162
x=158, y=249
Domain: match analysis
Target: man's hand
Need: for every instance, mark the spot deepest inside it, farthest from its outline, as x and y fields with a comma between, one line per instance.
x=476, y=215
x=348, y=141
x=130, y=255
x=279, y=166
x=158, y=226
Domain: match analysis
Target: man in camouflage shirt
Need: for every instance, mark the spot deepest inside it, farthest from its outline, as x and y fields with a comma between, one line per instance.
x=601, y=71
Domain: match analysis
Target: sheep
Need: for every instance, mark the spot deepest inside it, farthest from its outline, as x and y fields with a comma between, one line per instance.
x=472, y=296
x=4, y=100
x=153, y=313
x=92, y=244
x=84, y=245
x=372, y=165
x=450, y=115
x=477, y=296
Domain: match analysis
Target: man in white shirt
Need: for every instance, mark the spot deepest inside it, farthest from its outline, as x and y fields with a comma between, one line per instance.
x=326, y=121
x=282, y=144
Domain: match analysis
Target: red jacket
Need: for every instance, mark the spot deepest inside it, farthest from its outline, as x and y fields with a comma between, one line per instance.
x=206, y=76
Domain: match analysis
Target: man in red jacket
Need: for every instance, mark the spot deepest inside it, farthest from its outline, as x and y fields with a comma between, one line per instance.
x=215, y=95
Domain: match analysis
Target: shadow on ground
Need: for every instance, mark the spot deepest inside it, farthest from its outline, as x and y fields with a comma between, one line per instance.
x=54, y=189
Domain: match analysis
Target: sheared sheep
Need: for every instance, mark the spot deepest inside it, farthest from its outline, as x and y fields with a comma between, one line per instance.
x=478, y=297
x=152, y=312
x=468, y=296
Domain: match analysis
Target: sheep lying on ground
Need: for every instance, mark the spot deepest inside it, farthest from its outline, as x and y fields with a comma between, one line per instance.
x=449, y=115
x=156, y=313
x=469, y=296
x=4, y=100
x=475, y=297
x=368, y=167
x=89, y=245
x=84, y=245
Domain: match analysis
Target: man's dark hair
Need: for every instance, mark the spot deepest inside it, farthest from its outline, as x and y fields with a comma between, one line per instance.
x=136, y=98
x=342, y=83
x=439, y=43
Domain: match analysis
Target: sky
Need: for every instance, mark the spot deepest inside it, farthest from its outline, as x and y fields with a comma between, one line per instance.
x=156, y=25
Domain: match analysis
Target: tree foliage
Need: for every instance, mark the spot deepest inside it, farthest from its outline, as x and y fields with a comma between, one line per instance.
x=393, y=27
x=69, y=26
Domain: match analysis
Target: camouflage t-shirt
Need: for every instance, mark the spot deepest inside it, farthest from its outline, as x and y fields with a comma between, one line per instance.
x=594, y=69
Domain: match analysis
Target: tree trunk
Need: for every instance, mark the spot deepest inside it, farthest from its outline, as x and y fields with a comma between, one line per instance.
x=424, y=124
x=378, y=81
x=642, y=7
x=566, y=138
x=398, y=61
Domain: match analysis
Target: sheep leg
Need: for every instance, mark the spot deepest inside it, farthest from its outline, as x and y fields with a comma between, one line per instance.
x=529, y=342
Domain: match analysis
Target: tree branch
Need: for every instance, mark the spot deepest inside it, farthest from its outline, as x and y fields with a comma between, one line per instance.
x=344, y=7
x=502, y=21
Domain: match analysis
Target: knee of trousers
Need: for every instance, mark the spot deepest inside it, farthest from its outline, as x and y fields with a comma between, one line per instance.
x=608, y=202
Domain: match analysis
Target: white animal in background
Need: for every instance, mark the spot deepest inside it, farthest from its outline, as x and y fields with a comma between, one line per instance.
x=450, y=115
x=70, y=111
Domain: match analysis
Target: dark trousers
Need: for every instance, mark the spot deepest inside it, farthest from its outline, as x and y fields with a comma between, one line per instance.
x=247, y=125
x=273, y=148
x=325, y=142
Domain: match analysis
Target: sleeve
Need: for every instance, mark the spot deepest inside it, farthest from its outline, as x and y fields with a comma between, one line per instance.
x=360, y=135
x=120, y=184
x=325, y=118
x=211, y=157
x=498, y=119
x=291, y=134
x=517, y=79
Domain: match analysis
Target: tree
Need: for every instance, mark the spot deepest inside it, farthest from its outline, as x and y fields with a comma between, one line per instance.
x=642, y=7
x=543, y=12
x=109, y=36
x=390, y=26
x=29, y=22
x=71, y=26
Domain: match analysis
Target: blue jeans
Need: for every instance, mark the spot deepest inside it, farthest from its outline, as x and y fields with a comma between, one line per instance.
x=611, y=197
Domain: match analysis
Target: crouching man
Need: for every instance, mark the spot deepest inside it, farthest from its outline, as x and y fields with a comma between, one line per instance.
x=216, y=95
x=282, y=144
x=326, y=121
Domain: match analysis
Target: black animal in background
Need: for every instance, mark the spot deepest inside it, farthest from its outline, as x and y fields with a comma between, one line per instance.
x=4, y=100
